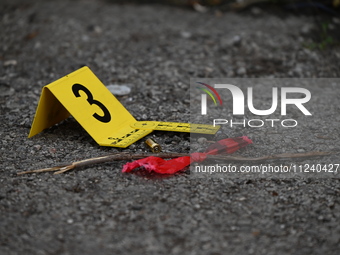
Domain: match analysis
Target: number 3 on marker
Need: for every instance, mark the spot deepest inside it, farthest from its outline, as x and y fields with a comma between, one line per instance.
x=107, y=116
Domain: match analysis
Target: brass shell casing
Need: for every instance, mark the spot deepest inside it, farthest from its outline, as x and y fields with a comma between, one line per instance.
x=154, y=147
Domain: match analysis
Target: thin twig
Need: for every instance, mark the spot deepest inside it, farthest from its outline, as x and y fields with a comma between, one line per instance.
x=126, y=156
x=270, y=157
x=104, y=159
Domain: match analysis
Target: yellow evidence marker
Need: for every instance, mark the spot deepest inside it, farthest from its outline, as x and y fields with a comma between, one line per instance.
x=82, y=95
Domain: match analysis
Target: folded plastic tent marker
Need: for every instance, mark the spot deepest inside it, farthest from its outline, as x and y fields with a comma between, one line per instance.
x=82, y=95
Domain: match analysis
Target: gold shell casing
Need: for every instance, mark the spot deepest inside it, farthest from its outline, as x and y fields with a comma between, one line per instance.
x=154, y=147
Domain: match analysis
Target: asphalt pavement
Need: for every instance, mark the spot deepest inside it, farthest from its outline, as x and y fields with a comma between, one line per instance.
x=155, y=50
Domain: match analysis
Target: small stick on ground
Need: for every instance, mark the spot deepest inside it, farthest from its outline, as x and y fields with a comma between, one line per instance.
x=104, y=159
x=126, y=156
x=270, y=157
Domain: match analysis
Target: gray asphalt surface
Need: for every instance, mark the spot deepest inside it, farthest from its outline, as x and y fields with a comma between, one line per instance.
x=156, y=50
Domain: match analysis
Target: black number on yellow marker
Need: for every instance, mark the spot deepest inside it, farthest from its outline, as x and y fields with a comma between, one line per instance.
x=106, y=117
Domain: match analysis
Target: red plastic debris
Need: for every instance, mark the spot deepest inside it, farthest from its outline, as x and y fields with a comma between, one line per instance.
x=198, y=156
x=162, y=166
x=229, y=145
x=158, y=165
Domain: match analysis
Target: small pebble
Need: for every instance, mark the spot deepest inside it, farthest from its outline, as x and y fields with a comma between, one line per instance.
x=236, y=40
x=52, y=150
x=202, y=140
x=119, y=90
x=241, y=71
x=11, y=62
x=185, y=34
x=37, y=147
